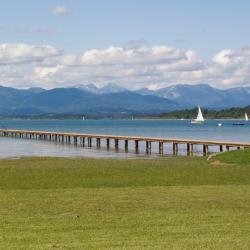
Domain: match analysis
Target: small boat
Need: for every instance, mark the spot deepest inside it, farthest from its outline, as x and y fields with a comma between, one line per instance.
x=199, y=119
x=238, y=124
x=246, y=117
x=83, y=118
x=241, y=123
x=219, y=124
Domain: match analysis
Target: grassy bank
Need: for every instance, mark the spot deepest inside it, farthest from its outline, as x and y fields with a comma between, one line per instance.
x=173, y=203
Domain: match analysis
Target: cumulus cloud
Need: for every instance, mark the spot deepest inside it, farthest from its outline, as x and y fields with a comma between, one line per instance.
x=154, y=67
x=60, y=10
x=24, y=53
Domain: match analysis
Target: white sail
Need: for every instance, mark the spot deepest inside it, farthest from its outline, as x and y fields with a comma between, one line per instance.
x=246, y=117
x=199, y=116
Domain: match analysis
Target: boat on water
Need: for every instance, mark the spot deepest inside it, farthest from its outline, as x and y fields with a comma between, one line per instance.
x=246, y=117
x=238, y=124
x=83, y=118
x=199, y=119
x=241, y=123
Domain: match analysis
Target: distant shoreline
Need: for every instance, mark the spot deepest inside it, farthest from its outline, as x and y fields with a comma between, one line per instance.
x=119, y=119
x=235, y=113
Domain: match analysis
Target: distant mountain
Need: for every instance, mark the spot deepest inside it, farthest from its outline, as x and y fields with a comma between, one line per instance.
x=88, y=87
x=202, y=94
x=130, y=101
x=107, y=89
x=76, y=100
x=113, y=99
x=10, y=97
x=111, y=88
x=36, y=90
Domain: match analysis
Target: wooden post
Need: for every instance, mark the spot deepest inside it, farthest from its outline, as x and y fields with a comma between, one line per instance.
x=189, y=149
x=175, y=148
x=116, y=144
x=221, y=148
x=75, y=140
x=89, y=142
x=98, y=142
x=126, y=145
x=136, y=146
x=148, y=147
x=107, y=143
x=205, y=149
x=227, y=147
x=83, y=141
x=160, y=147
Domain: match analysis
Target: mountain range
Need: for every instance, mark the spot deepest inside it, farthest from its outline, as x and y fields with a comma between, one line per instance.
x=113, y=99
x=189, y=96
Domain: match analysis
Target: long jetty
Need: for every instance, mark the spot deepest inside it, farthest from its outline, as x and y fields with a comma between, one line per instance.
x=87, y=140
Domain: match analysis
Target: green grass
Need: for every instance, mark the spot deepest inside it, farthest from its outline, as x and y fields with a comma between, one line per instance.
x=236, y=157
x=172, y=203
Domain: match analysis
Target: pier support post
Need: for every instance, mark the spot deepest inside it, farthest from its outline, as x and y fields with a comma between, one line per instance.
x=83, y=141
x=116, y=144
x=227, y=148
x=89, y=142
x=75, y=140
x=189, y=149
x=175, y=148
x=136, y=146
x=205, y=149
x=148, y=147
x=98, y=142
x=221, y=148
x=107, y=143
x=126, y=145
x=160, y=148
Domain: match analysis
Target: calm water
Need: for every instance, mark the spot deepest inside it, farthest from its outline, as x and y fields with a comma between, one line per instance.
x=155, y=128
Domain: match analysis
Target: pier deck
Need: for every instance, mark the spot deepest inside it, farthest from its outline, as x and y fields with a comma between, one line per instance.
x=86, y=139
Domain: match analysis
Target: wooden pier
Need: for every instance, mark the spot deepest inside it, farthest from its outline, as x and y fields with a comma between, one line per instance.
x=79, y=139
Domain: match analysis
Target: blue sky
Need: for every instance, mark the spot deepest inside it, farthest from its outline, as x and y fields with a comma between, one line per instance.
x=205, y=27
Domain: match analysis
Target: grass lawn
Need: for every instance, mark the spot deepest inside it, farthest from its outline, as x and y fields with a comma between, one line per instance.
x=172, y=203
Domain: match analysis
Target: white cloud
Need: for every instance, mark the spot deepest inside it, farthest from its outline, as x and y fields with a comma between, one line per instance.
x=155, y=67
x=60, y=10
x=153, y=87
x=24, y=53
x=223, y=57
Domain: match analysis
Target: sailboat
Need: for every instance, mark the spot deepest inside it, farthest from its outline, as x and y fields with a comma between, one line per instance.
x=199, y=119
x=241, y=123
x=246, y=117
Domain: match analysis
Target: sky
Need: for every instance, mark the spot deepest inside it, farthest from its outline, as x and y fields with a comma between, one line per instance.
x=132, y=43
